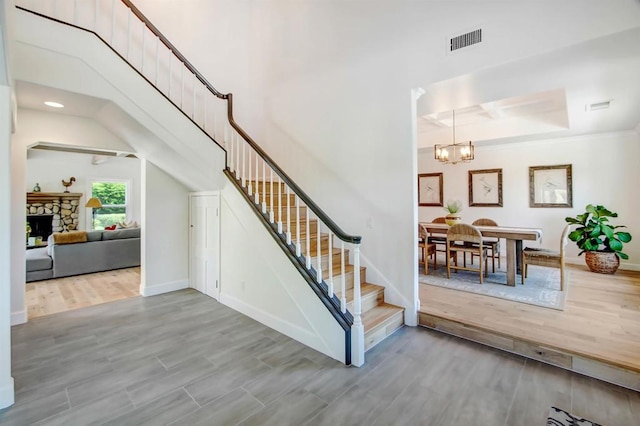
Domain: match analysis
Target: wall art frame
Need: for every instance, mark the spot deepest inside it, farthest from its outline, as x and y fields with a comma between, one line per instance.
x=485, y=188
x=430, y=189
x=551, y=186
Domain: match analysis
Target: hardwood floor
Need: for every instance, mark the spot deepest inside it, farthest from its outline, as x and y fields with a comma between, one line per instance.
x=65, y=294
x=184, y=359
x=601, y=319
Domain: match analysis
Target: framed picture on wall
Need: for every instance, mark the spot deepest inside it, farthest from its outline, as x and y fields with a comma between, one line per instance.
x=550, y=186
x=485, y=188
x=430, y=189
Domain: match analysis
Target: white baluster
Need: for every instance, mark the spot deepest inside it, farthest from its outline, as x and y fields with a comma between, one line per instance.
x=288, y=215
x=144, y=30
x=319, y=253
x=204, y=116
x=271, y=196
x=128, y=36
x=264, y=187
x=157, y=59
x=232, y=159
x=215, y=118
x=113, y=20
x=308, y=255
x=357, y=329
x=170, y=74
x=343, y=287
x=249, y=185
x=279, y=206
x=298, y=247
x=181, y=86
x=193, y=113
x=256, y=199
x=243, y=163
x=237, y=142
x=330, y=275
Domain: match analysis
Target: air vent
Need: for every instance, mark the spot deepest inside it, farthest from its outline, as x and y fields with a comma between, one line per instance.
x=598, y=105
x=465, y=40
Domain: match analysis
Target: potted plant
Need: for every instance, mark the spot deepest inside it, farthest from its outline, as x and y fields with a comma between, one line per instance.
x=28, y=230
x=599, y=239
x=453, y=207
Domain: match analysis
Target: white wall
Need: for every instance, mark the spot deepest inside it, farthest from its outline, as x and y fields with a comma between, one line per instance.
x=604, y=169
x=258, y=280
x=165, y=232
x=6, y=381
x=48, y=168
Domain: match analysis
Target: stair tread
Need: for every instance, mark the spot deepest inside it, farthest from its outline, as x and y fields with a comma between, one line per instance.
x=365, y=290
x=375, y=317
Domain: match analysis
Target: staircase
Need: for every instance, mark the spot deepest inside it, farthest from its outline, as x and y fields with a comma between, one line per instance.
x=326, y=257
x=380, y=319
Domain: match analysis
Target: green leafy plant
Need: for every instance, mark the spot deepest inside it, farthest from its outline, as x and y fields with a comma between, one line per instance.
x=453, y=206
x=595, y=233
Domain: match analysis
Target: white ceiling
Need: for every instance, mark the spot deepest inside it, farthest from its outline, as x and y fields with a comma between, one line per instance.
x=534, y=98
x=539, y=97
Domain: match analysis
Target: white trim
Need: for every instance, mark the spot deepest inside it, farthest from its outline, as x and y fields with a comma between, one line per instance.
x=7, y=397
x=624, y=266
x=162, y=288
x=285, y=327
x=19, y=317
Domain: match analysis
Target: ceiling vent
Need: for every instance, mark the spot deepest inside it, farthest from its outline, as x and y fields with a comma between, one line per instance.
x=598, y=105
x=465, y=40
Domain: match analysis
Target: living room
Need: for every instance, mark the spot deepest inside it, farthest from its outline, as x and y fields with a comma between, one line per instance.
x=114, y=179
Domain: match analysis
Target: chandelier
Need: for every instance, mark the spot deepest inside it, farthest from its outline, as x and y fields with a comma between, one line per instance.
x=456, y=152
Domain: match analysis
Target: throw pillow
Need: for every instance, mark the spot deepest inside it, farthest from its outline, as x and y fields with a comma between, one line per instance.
x=110, y=228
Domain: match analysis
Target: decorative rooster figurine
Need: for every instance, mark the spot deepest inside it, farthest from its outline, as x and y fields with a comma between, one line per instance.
x=68, y=184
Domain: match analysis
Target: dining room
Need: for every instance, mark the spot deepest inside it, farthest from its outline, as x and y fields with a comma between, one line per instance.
x=513, y=168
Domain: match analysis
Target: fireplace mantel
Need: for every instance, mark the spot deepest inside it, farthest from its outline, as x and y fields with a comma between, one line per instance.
x=44, y=197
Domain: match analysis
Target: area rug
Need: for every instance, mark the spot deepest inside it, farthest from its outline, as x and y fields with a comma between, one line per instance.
x=558, y=417
x=542, y=287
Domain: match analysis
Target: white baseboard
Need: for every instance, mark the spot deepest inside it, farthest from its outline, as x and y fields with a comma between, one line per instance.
x=7, y=394
x=19, y=317
x=162, y=288
x=285, y=327
x=624, y=266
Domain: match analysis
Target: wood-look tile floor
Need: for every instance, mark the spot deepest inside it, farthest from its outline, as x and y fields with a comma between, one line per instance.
x=184, y=359
x=79, y=291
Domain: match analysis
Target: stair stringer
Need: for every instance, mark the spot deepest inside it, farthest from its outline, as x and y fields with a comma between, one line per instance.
x=260, y=281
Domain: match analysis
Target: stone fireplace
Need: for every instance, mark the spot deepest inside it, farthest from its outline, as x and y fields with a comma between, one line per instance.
x=61, y=207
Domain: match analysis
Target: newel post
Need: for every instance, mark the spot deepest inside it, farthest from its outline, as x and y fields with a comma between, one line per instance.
x=357, y=329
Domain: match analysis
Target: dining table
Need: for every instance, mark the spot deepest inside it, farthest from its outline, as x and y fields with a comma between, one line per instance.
x=514, y=237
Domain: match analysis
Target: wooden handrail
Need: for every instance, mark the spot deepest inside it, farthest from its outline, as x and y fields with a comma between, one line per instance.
x=173, y=49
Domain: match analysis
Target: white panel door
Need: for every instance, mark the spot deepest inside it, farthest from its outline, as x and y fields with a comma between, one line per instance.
x=205, y=244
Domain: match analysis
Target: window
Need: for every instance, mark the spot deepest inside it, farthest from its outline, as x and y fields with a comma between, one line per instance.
x=114, y=197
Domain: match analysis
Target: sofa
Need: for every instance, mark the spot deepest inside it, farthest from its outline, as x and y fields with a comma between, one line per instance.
x=98, y=251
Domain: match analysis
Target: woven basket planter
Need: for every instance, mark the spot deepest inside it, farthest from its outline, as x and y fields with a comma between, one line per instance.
x=602, y=262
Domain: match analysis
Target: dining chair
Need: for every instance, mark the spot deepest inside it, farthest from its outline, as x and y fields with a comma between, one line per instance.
x=493, y=244
x=438, y=238
x=545, y=257
x=466, y=238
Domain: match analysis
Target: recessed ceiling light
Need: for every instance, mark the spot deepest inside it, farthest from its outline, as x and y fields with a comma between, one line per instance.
x=54, y=104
